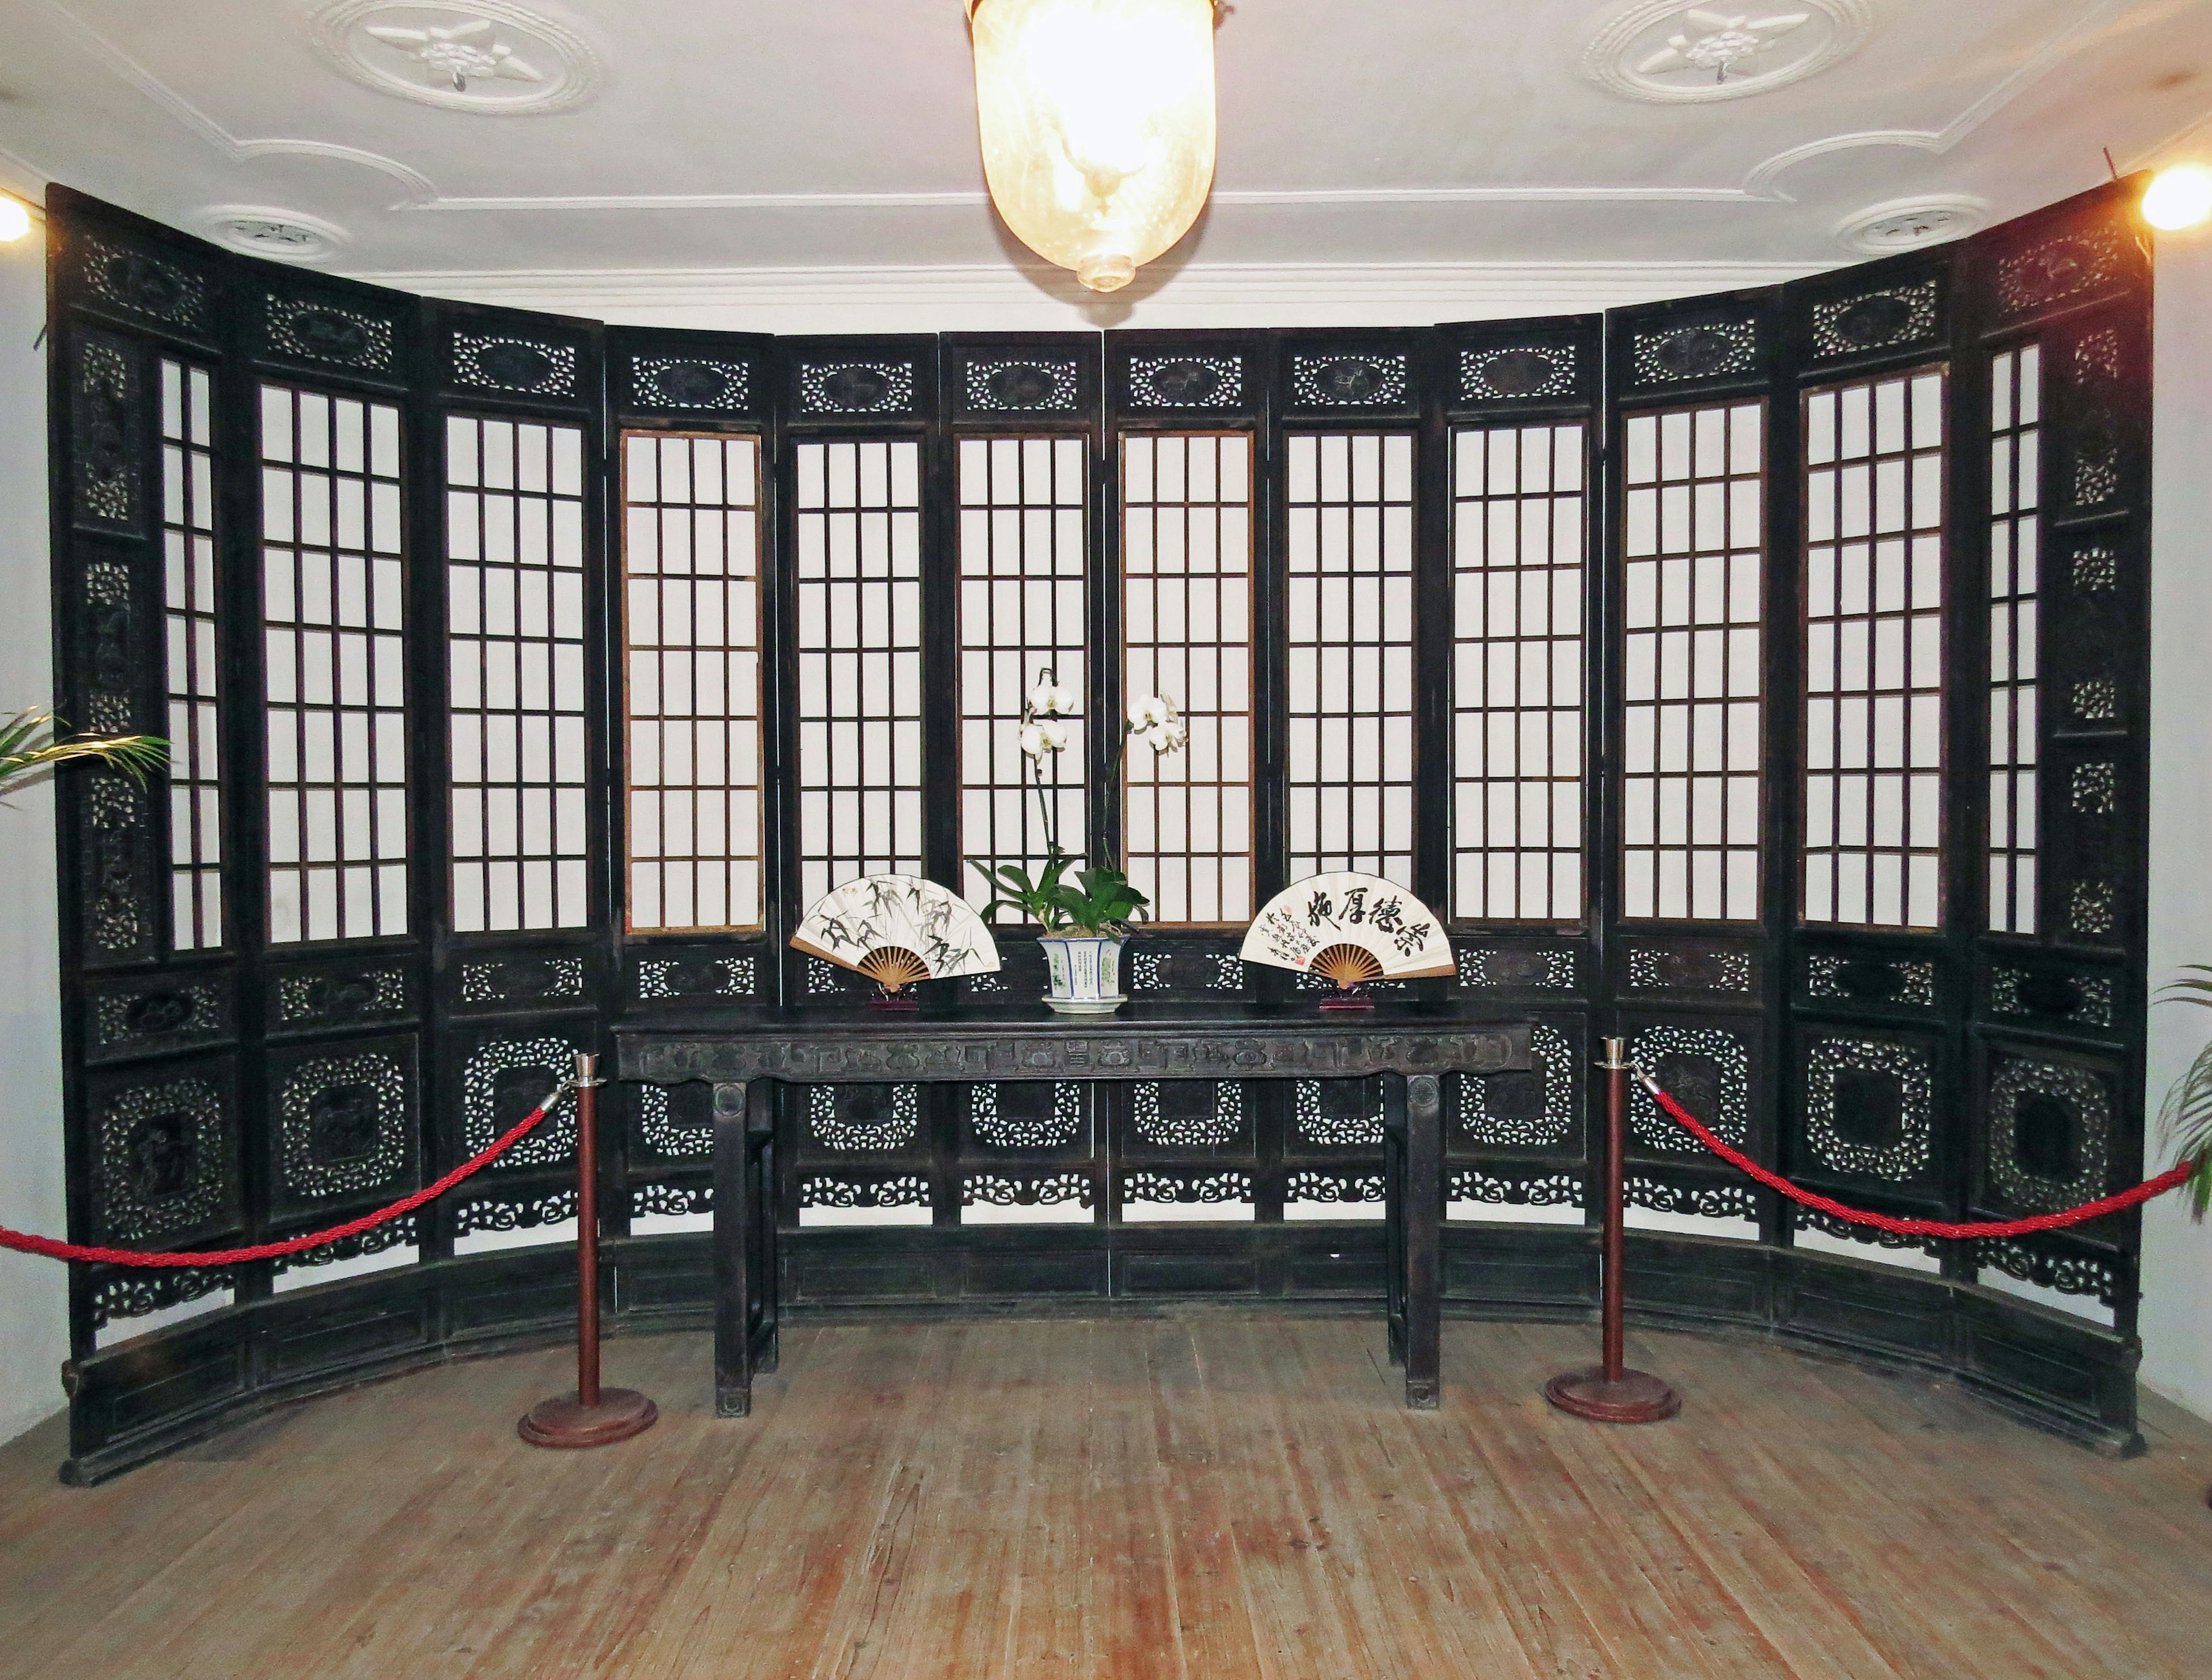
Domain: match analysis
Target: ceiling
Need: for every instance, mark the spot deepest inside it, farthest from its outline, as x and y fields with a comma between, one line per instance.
x=722, y=134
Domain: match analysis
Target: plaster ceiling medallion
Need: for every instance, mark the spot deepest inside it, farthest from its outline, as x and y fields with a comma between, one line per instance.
x=488, y=56
x=287, y=235
x=1907, y=224
x=1671, y=54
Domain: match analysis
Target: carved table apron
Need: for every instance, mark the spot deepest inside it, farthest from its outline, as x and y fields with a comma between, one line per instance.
x=745, y=1054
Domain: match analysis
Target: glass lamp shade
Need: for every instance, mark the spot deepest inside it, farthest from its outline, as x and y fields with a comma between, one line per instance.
x=1097, y=120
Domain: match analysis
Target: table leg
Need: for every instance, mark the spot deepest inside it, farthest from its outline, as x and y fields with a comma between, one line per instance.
x=1394, y=1214
x=767, y=1278
x=1424, y=1223
x=734, y=1212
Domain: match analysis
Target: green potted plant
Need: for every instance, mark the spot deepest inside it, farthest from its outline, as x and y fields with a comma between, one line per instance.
x=2186, y=1117
x=31, y=743
x=1082, y=916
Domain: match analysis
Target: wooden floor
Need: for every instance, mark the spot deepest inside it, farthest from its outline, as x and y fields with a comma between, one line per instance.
x=1210, y=1497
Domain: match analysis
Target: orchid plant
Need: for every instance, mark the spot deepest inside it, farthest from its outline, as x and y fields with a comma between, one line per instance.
x=1091, y=903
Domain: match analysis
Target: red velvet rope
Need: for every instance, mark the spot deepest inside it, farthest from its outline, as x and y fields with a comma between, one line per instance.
x=23, y=1243
x=1913, y=1227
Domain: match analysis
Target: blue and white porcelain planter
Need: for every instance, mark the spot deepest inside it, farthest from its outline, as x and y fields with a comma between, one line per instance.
x=1086, y=974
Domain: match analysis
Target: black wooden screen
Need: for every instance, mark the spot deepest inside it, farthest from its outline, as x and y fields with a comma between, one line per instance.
x=1618, y=841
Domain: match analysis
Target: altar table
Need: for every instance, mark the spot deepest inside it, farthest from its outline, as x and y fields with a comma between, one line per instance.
x=745, y=1054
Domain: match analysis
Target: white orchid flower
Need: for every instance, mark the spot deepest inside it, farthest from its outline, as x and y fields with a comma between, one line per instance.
x=1049, y=699
x=1151, y=712
x=1032, y=741
x=1058, y=737
x=1170, y=736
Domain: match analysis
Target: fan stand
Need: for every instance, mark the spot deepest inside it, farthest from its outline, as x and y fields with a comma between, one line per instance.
x=901, y=1000
x=1347, y=998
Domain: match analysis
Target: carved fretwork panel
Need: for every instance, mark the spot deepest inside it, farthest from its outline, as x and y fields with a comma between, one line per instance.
x=163, y=1149
x=1902, y=981
x=1520, y=366
x=1714, y=1066
x=520, y=982
x=1324, y=376
x=1020, y=379
x=690, y=379
x=670, y=977
x=503, y=1075
x=317, y=325
x=1203, y=967
x=1175, y=377
x=1536, y=1110
x=867, y=1122
x=1715, y=970
x=2051, y=1130
x=673, y=1123
x=1870, y=1108
x=176, y=1012
x=344, y=1123
x=341, y=994
x=1025, y=1118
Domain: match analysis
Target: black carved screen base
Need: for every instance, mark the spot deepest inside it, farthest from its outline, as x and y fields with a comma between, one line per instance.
x=139, y=1401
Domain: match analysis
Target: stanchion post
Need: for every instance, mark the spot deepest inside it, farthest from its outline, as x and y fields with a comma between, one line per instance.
x=1611, y=1392
x=591, y=1416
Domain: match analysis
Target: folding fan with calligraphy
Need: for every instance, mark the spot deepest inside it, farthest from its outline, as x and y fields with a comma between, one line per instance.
x=1349, y=929
x=897, y=929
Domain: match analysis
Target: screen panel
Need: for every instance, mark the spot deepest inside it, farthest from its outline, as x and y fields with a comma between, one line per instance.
x=333, y=608
x=1873, y=651
x=515, y=545
x=1350, y=670
x=1692, y=683
x=1518, y=549
x=857, y=594
x=2015, y=530
x=1023, y=510
x=193, y=672
x=691, y=698
x=1186, y=636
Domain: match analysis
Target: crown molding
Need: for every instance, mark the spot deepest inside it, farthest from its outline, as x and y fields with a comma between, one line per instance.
x=974, y=297
x=417, y=187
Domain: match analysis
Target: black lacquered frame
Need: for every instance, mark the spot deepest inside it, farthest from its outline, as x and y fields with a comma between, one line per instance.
x=222, y=1096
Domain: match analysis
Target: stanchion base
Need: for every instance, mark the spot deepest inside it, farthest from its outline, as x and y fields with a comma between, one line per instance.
x=565, y=1421
x=1637, y=1397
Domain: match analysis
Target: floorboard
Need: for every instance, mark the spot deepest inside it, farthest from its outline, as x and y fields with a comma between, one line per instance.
x=1209, y=1495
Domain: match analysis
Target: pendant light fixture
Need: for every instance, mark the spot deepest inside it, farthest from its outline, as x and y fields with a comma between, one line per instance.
x=1097, y=123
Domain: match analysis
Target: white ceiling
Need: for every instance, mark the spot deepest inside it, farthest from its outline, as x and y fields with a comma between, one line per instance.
x=777, y=134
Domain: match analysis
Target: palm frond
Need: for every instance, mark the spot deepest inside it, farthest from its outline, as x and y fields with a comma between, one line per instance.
x=2186, y=1122
x=32, y=741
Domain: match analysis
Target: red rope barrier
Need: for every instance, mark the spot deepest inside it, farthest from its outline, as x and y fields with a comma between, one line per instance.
x=1913, y=1227
x=24, y=1243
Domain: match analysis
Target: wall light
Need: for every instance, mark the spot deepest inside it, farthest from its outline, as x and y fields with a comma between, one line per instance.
x=1097, y=120
x=14, y=218
x=2179, y=198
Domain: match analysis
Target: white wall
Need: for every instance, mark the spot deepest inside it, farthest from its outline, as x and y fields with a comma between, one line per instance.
x=33, y=1296
x=2177, y=1306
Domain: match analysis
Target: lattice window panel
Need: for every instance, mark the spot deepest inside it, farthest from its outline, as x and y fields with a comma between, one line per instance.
x=188, y=510
x=515, y=548
x=1693, y=689
x=333, y=609
x=1518, y=546
x=2015, y=531
x=1024, y=508
x=691, y=701
x=1873, y=651
x=1186, y=634
x=858, y=601
x=1351, y=654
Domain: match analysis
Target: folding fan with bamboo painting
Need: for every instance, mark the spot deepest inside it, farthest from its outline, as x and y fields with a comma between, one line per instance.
x=897, y=929
x=1349, y=929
